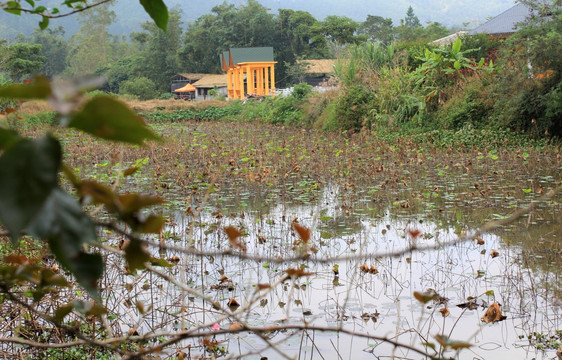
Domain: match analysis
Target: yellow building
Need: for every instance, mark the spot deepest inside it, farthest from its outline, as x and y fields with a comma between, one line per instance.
x=250, y=71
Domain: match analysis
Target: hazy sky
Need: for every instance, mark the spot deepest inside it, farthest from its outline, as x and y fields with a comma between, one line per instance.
x=449, y=12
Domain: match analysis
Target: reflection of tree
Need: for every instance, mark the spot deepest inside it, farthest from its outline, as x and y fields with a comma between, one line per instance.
x=541, y=253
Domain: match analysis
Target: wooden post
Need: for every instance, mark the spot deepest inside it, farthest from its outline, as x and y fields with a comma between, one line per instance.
x=250, y=80
x=241, y=81
x=272, y=80
x=266, y=80
x=229, y=84
x=260, y=81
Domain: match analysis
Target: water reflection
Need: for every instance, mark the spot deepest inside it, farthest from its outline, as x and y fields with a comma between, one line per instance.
x=524, y=282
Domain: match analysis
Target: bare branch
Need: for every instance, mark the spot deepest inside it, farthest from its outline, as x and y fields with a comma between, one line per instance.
x=51, y=16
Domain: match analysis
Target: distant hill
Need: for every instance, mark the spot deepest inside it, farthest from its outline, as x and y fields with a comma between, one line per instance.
x=130, y=13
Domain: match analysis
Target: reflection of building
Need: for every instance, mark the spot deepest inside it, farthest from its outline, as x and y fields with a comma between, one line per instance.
x=249, y=71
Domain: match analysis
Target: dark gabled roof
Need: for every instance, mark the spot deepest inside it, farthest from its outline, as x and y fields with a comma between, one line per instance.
x=504, y=23
x=188, y=76
x=252, y=54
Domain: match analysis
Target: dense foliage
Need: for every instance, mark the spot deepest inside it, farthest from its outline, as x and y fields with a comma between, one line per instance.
x=193, y=47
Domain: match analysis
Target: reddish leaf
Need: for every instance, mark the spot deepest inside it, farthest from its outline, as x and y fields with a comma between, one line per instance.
x=233, y=234
x=414, y=233
x=297, y=272
x=304, y=233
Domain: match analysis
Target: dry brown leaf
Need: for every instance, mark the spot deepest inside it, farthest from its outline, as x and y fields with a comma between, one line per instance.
x=479, y=241
x=232, y=303
x=297, y=272
x=444, y=311
x=304, y=233
x=494, y=254
x=235, y=327
x=373, y=270
x=364, y=268
x=493, y=314
x=233, y=234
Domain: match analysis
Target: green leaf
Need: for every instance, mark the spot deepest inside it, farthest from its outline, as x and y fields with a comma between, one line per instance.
x=15, y=7
x=8, y=138
x=67, y=228
x=453, y=344
x=39, y=9
x=457, y=65
x=426, y=296
x=481, y=62
x=28, y=175
x=38, y=89
x=152, y=225
x=110, y=119
x=136, y=255
x=44, y=23
x=157, y=11
x=61, y=312
x=457, y=46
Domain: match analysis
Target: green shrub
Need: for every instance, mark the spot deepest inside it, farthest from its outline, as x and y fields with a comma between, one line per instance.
x=353, y=108
x=286, y=110
x=328, y=119
x=397, y=101
x=301, y=91
x=484, y=45
x=46, y=118
x=95, y=93
x=470, y=105
x=141, y=87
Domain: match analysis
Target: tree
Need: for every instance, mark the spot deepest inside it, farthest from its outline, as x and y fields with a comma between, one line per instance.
x=410, y=27
x=141, y=87
x=92, y=47
x=296, y=28
x=411, y=20
x=23, y=60
x=126, y=68
x=435, y=31
x=53, y=47
x=227, y=26
x=338, y=29
x=160, y=52
x=377, y=29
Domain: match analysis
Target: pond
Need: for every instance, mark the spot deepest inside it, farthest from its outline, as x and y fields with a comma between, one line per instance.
x=355, y=282
x=524, y=279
